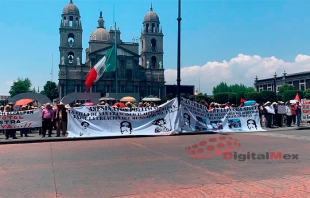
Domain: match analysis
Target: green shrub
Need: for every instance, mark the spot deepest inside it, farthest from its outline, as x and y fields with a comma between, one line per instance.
x=267, y=96
x=253, y=96
x=221, y=97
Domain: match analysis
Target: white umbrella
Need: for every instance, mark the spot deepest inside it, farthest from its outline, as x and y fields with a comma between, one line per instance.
x=107, y=98
x=151, y=99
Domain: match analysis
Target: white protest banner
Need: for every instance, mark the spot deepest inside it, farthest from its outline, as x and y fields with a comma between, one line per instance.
x=305, y=110
x=90, y=121
x=196, y=117
x=281, y=109
x=20, y=119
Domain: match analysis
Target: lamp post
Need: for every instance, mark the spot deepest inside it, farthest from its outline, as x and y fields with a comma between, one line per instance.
x=179, y=55
x=275, y=86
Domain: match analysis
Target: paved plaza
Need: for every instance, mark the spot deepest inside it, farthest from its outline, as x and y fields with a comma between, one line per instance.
x=156, y=166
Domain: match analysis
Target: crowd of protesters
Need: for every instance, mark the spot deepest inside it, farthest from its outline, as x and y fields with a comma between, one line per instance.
x=269, y=112
x=290, y=116
x=55, y=117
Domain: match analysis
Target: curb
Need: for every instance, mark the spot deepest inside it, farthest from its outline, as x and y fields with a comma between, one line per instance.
x=61, y=139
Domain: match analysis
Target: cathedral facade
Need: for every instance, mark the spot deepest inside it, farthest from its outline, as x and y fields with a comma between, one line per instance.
x=137, y=72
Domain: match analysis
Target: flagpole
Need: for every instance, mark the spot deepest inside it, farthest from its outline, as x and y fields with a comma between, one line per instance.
x=116, y=80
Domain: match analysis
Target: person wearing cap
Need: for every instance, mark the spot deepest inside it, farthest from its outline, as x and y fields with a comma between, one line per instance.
x=9, y=132
x=48, y=117
x=62, y=119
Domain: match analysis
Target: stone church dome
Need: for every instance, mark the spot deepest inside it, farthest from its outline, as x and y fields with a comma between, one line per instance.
x=71, y=9
x=151, y=16
x=99, y=34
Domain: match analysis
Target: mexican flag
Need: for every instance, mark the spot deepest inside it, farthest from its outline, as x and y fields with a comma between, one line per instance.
x=106, y=64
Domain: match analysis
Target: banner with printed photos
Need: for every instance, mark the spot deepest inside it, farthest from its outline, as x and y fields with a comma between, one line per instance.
x=196, y=117
x=305, y=110
x=20, y=119
x=91, y=121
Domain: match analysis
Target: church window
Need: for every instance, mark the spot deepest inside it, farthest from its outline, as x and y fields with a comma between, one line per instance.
x=70, y=57
x=147, y=27
x=65, y=21
x=153, y=27
x=71, y=21
x=153, y=44
x=153, y=61
x=71, y=39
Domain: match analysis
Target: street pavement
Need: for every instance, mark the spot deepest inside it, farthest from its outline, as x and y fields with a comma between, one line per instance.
x=165, y=166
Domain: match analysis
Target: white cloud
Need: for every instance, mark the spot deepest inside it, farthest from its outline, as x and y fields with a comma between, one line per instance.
x=241, y=69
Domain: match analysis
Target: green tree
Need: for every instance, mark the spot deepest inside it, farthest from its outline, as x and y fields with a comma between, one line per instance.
x=220, y=88
x=21, y=86
x=307, y=93
x=285, y=87
x=290, y=95
x=50, y=90
x=200, y=97
x=223, y=87
x=240, y=88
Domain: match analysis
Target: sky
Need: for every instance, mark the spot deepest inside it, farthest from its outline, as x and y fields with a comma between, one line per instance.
x=221, y=40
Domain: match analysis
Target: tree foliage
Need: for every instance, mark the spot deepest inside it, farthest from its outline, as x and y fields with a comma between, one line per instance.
x=221, y=97
x=253, y=96
x=200, y=97
x=307, y=93
x=21, y=86
x=267, y=96
x=50, y=90
x=223, y=88
x=285, y=87
x=290, y=95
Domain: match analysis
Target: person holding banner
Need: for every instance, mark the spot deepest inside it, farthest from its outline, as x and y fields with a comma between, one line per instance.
x=24, y=131
x=61, y=119
x=9, y=132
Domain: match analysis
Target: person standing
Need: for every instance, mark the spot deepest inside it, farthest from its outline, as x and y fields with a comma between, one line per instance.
x=24, y=131
x=288, y=114
x=9, y=132
x=298, y=113
x=293, y=109
x=61, y=118
x=48, y=117
x=268, y=112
